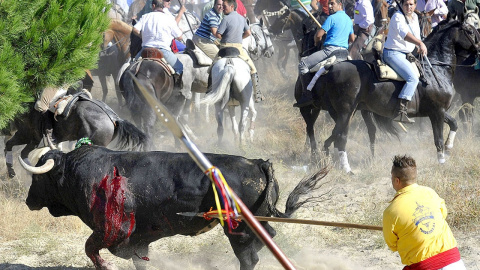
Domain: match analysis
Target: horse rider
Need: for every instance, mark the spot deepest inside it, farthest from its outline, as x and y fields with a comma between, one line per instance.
x=179, y=45
x=414, y=224
x=436, y=9
x=363, y=20
x=294, y=4
x=339, y=29
x=231, y=31
x=157, y=30
x=458, y=7
x=403, y=36
x=322, y=10
x=204, y=37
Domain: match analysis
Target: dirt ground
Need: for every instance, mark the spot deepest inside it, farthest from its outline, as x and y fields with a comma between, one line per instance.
x=360, y=199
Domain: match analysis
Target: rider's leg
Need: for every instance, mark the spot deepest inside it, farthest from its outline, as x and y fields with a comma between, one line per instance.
x=173, y=61
x=398, y=61
x=253, y=71
x=207, y=46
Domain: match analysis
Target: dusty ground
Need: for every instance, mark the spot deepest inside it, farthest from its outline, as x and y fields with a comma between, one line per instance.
x=58, y=243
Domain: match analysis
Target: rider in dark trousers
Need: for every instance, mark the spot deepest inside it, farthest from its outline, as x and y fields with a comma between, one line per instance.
x=339, y=30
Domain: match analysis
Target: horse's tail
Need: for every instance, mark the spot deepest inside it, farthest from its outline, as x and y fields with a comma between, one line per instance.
x=304, y=187
x=220, y=86
x=129, y=137
x=386, y=124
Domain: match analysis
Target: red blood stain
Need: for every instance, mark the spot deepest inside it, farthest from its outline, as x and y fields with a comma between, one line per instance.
x=108, y=209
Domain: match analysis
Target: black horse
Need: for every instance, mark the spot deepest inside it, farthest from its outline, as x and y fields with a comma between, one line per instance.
x=352, y=85
x=87, y=118
x=467, y=82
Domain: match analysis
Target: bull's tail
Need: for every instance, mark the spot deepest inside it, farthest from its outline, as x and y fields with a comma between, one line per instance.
x=304, y=187
x=129, y=137
x=220, y=87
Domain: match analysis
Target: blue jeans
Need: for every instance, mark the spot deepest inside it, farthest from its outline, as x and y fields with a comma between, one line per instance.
x=171, y=58
x=398, y=62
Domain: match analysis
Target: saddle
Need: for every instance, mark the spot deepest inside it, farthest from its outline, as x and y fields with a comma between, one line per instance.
x=154, y=54
x=385, y=72
x=63, y=104
x=321, y=68
x=198, y=56
x=228, y=52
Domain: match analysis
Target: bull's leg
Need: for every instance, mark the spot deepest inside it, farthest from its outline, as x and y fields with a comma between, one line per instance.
x=92, y=247
x=437, y=119
x=246, y=244
x=140, y=258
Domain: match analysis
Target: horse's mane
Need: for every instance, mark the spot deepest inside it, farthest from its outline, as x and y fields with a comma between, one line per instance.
x=300, y=14
x=119, y=26
x=436, y=36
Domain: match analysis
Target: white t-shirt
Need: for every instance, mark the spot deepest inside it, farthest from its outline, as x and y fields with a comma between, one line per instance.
x=158, y=30
x=398, y=29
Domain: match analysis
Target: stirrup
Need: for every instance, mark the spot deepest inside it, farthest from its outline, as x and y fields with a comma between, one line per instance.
x=402, y=117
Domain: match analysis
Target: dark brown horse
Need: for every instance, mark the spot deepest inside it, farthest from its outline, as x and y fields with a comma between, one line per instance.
x=115, y=52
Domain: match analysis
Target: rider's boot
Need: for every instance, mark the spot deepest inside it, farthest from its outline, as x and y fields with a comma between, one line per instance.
x=258, y=95
x=401, y=115
x=307, y=97
x=178, y=83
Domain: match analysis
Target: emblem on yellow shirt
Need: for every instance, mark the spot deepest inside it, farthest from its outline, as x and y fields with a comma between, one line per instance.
x=424, y=219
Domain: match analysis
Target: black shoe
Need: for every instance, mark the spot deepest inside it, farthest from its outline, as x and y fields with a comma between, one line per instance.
x=401, y=115
x=305, y=100
x=177, y=79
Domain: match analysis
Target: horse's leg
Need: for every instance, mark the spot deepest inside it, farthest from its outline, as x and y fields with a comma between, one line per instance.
x=371, y=128
x=437, y=119
x=243, y=122
x=310, y=116
x=251, y=129
x=233, y=119
x=341, y=130
x=103, y=82
x=452, y=123
x=119, y=94
x=219, y=117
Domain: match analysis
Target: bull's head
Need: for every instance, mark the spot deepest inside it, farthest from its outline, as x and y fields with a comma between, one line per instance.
x=45, y=179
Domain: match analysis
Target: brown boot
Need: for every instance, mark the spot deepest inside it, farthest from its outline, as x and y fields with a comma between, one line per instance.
x=401, y=115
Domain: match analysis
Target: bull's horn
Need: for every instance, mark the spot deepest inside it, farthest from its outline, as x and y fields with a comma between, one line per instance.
x=37, y=170
x=50, y=143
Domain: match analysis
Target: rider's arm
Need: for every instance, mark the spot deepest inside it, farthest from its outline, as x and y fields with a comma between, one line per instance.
x=246, y=33
x=314, y=5
x=318, y=36
x=180, y=13
x=351, y=38
x=422, y=49
x=136, y=32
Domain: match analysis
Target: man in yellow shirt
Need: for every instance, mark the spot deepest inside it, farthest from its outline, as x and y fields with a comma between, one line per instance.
x=414, y=223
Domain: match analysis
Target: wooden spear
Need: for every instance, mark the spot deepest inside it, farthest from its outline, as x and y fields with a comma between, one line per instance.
x=309, y=14
x=294, y=220
x=171, y=123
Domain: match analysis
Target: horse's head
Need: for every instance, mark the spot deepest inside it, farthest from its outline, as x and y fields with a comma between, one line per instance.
x=380, y=10
x=262, y=39
x=471, y=17
x=281, y=23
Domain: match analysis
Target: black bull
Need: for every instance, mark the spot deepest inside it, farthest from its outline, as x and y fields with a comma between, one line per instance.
x=130, y=199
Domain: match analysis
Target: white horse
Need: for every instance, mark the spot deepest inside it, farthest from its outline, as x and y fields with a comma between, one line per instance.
x=258, y=44
x=231, y=79
x=187, y=24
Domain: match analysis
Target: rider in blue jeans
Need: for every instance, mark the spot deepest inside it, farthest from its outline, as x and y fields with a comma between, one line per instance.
x=403, y=36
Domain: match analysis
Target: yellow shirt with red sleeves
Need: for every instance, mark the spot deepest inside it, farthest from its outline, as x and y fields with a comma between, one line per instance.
x=414, y=224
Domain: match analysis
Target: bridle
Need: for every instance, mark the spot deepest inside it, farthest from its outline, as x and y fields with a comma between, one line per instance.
x=258, y=52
